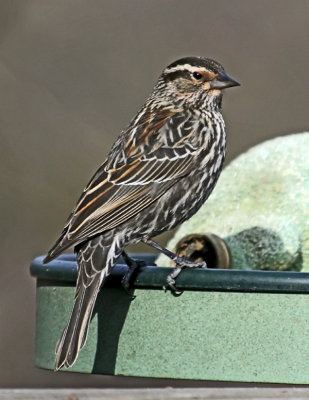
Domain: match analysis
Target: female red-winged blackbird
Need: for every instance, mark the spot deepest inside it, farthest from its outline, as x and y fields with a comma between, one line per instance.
x=159, y=172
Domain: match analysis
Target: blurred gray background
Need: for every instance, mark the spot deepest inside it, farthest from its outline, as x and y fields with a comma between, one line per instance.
x=73, y=73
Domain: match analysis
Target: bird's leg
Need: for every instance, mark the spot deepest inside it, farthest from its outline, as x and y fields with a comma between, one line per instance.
x=180, y=262
x=133, y=266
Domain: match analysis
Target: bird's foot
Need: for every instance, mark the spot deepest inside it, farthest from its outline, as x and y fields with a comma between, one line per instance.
x=181, y=263
x=133, y=265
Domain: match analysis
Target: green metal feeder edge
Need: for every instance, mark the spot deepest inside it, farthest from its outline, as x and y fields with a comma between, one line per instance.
x=228, y=325
x=64, y=269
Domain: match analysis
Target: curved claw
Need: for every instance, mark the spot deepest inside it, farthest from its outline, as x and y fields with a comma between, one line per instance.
x=181, y=263
x=175, y=292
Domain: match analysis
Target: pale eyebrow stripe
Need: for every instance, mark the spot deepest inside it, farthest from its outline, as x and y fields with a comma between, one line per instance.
x=185, y=67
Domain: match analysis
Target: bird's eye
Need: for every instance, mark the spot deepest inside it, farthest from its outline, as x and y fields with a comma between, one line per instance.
x=197, y=75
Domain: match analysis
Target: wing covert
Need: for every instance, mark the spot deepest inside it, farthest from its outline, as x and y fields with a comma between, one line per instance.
x=122, y=187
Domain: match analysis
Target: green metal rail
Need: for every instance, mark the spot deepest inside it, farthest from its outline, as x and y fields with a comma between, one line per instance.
x=64, y=269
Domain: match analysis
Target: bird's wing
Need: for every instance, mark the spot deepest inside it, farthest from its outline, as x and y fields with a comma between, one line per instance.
x=122, y=187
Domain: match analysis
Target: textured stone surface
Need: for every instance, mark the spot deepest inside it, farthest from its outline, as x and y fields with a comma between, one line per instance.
x=260, y=206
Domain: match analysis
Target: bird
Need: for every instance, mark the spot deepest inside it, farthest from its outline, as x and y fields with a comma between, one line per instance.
x=158, y=173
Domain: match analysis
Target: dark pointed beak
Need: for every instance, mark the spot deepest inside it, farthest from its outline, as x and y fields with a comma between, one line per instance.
x=222, y=81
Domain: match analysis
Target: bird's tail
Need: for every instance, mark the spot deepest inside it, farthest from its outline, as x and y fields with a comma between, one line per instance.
x=95, y=262
x=74, y=335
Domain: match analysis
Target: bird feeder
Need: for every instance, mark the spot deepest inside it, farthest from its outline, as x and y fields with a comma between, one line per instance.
x=229, y=325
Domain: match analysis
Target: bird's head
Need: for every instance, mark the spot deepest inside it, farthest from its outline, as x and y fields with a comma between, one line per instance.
x=193, y=82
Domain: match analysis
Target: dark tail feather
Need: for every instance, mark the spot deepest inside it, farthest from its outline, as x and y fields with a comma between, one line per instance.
x=74, y=335
x=95, y=260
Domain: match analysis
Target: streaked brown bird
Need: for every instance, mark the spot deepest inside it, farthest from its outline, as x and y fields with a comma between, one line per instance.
x=158, y=173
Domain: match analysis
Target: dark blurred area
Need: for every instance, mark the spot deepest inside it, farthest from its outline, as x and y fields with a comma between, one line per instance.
x=73, y=73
